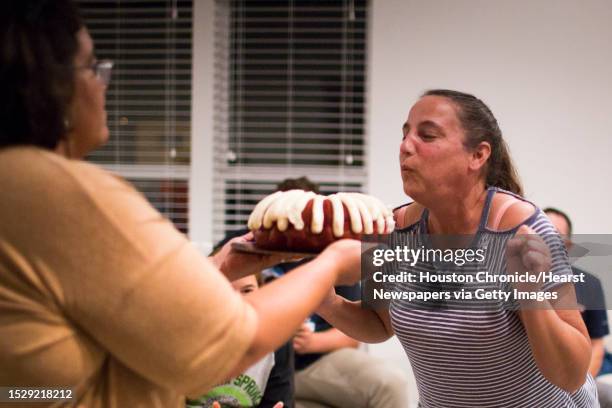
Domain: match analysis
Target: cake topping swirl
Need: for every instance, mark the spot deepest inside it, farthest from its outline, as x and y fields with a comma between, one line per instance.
x=285, y=208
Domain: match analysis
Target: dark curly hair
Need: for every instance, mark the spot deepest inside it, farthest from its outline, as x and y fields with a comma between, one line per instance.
x=302, y=183
x=480, y=125
x=38, y=44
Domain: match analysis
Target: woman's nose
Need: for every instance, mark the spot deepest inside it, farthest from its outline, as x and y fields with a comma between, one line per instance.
x=407, y=145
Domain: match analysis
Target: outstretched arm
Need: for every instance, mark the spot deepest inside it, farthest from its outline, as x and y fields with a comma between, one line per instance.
x=366, y=325
x=282, y=306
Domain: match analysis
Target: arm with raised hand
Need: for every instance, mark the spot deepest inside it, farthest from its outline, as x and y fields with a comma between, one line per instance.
x=557, y=335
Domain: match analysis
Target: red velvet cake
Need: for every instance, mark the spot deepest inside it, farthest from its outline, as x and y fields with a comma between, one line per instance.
x=297, y=220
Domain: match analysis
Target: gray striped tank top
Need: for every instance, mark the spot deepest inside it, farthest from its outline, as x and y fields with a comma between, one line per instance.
x=477, y=355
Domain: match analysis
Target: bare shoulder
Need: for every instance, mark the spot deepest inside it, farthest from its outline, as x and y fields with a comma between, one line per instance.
x=508, y=212
x=408, y=214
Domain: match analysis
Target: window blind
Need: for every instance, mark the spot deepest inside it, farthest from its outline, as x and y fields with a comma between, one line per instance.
x=148, y=100
x=289, y=98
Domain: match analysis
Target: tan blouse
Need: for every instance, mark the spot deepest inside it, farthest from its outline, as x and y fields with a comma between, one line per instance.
x=99, y=293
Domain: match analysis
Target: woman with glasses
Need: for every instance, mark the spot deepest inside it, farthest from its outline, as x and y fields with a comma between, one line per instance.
x=102, y=299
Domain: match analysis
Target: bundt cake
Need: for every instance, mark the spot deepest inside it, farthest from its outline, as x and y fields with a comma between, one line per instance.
x=298, y=220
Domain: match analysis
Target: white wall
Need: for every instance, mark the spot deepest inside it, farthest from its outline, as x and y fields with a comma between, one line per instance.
x=202, y=115
x=545, y=69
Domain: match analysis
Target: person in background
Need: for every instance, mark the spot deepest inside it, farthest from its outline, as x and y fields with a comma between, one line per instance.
x=590, y=295
x=267, y=383
x=332, y=370
x=99, y=293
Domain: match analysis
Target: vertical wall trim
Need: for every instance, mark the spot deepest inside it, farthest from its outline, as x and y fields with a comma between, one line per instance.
x=201, y=180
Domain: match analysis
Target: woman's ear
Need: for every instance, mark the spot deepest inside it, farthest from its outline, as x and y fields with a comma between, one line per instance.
x=479, y=156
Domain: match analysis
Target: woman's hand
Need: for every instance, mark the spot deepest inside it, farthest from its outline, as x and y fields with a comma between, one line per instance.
x=235, y=264
x=528, y=253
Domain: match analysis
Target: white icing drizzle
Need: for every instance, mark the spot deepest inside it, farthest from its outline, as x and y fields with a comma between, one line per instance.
x=278, y=210
x=295, y=210
x=366, y=217
x=316, y=226
x=353, y=210
x=256, y=217
x=390, y=224
x=374, y=205
x=386, y=223
x=284, y=208
x=377, y=210
x=380, y=225
x=337, y=215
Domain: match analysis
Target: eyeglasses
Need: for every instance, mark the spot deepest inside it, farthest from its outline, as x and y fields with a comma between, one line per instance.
x=102, y=69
